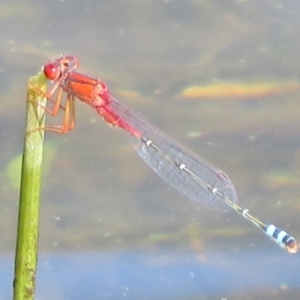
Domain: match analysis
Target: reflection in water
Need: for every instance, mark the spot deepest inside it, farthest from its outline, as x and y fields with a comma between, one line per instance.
x=163, y=275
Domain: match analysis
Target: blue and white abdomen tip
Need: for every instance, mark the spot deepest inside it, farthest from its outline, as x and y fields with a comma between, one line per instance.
x=283, y=239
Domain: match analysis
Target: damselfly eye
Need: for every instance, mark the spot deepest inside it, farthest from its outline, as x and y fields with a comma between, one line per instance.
x=51, y=71
x=71, y=61
x=66, y=63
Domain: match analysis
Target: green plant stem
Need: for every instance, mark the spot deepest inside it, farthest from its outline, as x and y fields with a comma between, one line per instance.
x=28, y=221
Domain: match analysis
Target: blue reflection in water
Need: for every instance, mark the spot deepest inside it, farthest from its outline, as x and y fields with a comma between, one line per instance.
x=148, y=275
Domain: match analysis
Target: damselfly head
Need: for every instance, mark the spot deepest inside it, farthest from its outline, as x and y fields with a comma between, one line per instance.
x=60, y=67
